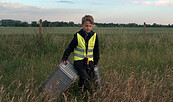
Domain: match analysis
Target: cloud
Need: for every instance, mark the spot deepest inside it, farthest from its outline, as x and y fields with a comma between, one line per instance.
x=11, y=5
x=151, y=3
x=63, y=1
x=104, y=3
x=88, y=2
x=28, y=13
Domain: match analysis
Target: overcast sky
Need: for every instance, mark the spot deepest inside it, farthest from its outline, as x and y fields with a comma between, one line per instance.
x=103, y=11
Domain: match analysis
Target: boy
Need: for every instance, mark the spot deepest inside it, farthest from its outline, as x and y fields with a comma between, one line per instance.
x=86, y=52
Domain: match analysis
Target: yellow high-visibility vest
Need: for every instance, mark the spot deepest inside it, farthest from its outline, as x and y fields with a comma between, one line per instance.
x=80, y=50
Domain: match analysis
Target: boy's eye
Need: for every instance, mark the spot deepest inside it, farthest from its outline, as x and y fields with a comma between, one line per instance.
x=88, y=25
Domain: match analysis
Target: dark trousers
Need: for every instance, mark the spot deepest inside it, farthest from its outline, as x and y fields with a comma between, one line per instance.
x=85, y=72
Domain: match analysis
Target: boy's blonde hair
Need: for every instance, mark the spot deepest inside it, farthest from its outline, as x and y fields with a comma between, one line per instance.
x=88, y=18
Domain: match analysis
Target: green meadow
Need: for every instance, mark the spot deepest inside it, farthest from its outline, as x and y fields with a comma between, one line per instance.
x=135, y=67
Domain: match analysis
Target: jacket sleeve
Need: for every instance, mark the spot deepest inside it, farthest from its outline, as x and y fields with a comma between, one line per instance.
x=70, y=48
x=96, y=51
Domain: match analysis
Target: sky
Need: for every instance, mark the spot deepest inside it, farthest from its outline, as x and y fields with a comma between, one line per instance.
x=103, y=11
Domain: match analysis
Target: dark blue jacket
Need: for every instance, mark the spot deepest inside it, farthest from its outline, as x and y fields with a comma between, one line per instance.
x=74, y=43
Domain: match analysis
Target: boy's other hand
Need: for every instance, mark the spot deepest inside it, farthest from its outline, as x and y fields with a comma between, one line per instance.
x=63, y=62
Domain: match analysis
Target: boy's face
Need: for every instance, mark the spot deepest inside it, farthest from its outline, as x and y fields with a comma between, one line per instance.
x=87, y=26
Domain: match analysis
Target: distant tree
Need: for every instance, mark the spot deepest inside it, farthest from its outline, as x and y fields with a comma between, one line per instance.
x=46, y=23
x=17, y=23
x=34, y=24
x=157, y=25
x=71, y=24
x=24, y=24
x=132, y=25
x=169, y=25
x=52, y=24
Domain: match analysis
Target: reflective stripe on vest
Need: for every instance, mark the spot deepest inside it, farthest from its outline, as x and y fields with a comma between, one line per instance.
x=80, y=50
x=82, y=56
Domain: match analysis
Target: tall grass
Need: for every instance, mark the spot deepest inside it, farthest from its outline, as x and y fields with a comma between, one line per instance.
x=134, y=67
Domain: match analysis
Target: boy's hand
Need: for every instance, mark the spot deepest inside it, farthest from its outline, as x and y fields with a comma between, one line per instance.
x=63, y=62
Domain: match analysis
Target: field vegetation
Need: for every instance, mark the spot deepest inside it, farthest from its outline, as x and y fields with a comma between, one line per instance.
x=134, y=67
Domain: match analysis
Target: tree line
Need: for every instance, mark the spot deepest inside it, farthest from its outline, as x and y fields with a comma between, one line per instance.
x=18, y=23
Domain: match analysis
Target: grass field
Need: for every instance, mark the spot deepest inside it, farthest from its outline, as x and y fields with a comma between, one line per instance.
x=134, y=67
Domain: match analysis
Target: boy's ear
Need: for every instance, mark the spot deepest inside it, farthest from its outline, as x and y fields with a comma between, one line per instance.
x=82, y=25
